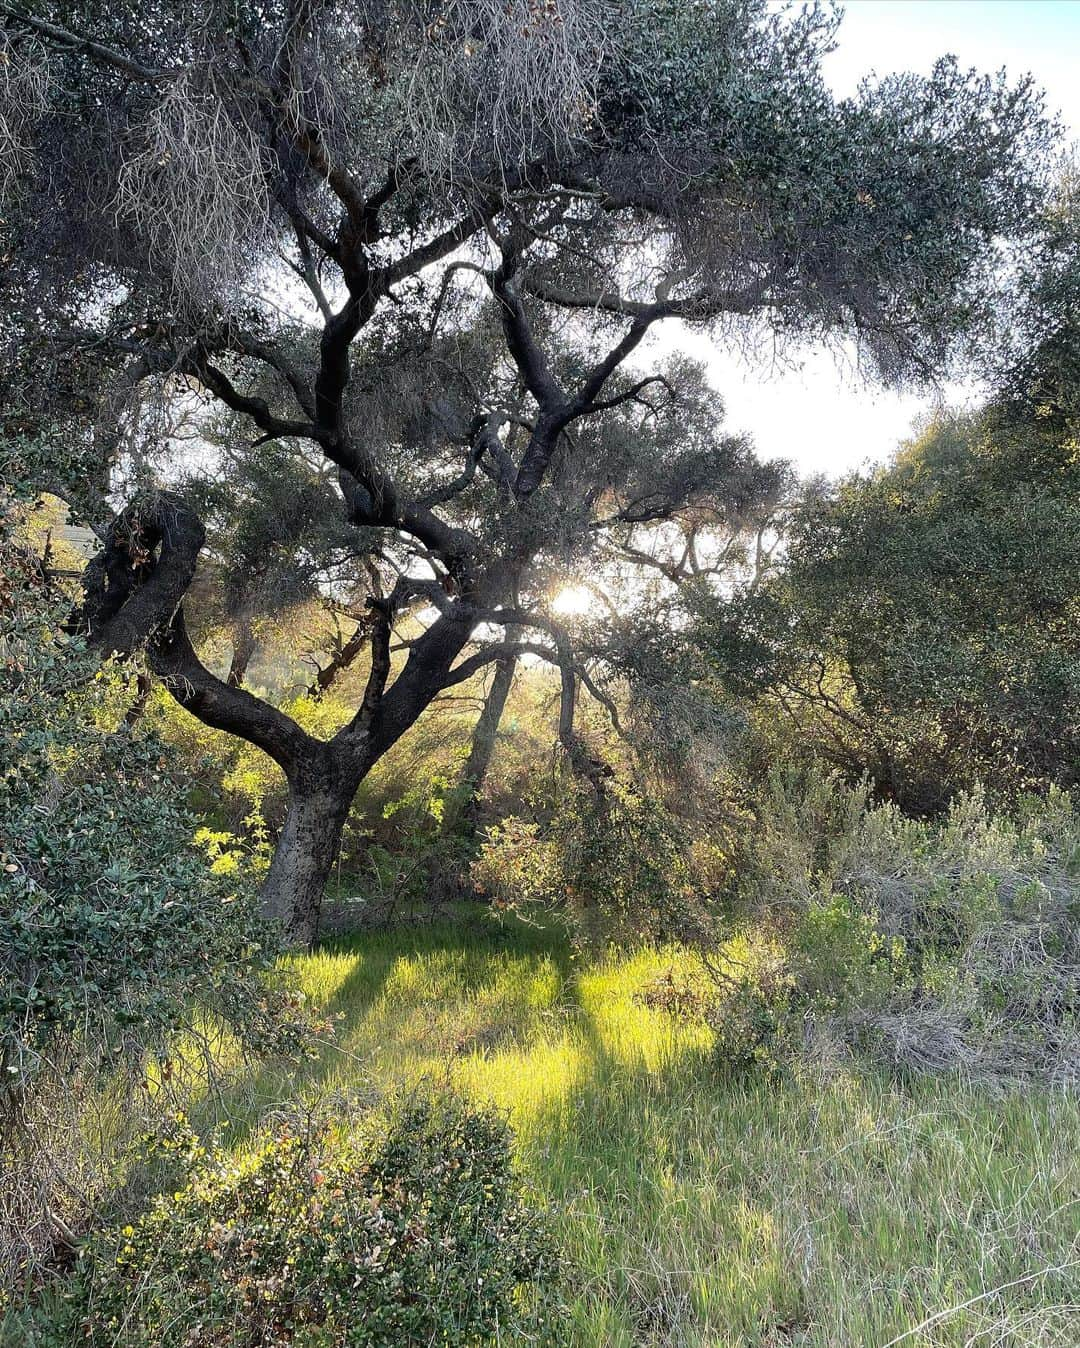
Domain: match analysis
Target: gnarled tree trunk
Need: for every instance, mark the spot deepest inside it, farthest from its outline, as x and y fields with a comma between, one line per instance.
x=243, y=650
x=307, y=850
x=486, y=731
x=133, y=593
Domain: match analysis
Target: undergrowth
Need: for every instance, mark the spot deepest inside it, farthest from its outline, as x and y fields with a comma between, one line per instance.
x=694, y=1205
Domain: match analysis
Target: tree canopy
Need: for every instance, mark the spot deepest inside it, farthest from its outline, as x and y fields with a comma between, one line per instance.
x=921, y=626
x=421, y=248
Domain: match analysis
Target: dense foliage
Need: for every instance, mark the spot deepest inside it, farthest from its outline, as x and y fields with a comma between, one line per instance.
x=944, y=946
x=620, y=865
x=113, y=924
x=920, y=623
x=924, y=626
x=117, y=930
x=357, y=1232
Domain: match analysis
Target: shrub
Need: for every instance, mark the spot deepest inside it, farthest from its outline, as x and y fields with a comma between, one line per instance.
x=787, y=984
x=910, y=631
x=415, y=858
x=403, y=1227
x=116, y=930
x=941, y=945
x=619, y=864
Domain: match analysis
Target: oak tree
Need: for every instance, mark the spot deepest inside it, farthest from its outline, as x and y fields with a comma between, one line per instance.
x=425, y=243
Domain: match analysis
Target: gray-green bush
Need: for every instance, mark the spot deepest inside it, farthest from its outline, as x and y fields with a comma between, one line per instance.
x=116, y=931
x=404, y=1226
x=942, y=945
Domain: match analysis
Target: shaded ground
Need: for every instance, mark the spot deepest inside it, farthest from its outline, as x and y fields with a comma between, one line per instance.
x=705, y=1209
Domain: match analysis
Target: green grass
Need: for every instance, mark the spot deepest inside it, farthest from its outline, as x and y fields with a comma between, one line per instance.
x=698, y=1208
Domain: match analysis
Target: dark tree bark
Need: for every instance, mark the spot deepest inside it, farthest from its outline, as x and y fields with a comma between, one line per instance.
x=143, y=687
x=485, y=732
x=132, y=593
x=308, y=846
x=243, y=649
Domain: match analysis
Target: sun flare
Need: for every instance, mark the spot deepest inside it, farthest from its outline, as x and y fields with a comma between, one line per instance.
x=572, y=601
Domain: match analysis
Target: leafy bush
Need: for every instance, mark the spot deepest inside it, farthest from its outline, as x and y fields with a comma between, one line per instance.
x=619, y=864
x=116, y=930
x=934, y=945
x=414, y=858
x=408, y=1227
x=911, y=631
x=113, y=920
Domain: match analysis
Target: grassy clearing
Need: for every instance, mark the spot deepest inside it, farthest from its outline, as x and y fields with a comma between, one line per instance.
x=701, y=1209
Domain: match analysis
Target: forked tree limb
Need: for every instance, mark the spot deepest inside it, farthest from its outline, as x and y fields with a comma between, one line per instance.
x=133, y=593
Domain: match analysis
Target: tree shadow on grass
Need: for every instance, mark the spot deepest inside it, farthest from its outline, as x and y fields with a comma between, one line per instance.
x=619, y=1151
x=462, y=955
x=609, y=1123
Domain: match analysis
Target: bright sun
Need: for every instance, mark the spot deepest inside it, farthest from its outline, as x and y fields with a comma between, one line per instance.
x=572, y=600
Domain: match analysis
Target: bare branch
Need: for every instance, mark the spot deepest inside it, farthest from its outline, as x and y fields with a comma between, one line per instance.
x=705, y=304
x=256, y=408
x=68, y=41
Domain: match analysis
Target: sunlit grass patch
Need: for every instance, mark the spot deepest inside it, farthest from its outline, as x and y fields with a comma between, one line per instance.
x=700, y=1207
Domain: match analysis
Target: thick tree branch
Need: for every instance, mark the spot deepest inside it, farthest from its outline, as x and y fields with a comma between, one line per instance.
x=135, y=584
x=500, y=651
x=275, y=427
x=584, y=401
x=522, y=345
x=173, y=659
x=380, y=660
x=453, y=488
x=84, y=46
x=337, y=337
x=556, y=417
x=133, y=591
x=442, y=245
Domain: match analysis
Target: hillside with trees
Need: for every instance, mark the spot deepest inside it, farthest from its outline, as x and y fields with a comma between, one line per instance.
x=487, y=854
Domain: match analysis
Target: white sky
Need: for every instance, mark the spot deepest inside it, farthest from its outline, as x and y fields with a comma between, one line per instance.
x=819, y=417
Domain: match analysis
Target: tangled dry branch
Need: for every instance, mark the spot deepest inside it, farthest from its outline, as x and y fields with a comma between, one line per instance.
x=497, y=85
x=25, y=81
x=196, y=189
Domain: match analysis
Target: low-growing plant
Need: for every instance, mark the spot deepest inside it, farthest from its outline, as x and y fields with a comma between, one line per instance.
x=934, y=945
x=387, y=1227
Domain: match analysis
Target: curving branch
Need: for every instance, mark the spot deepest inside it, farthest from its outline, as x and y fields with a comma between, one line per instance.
x=274, y=427
x=503, y=650
x=702, y=305
x=133, y=592
x=522, y=345
x=70, y=41
x=382, y=614
x=173, y=659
